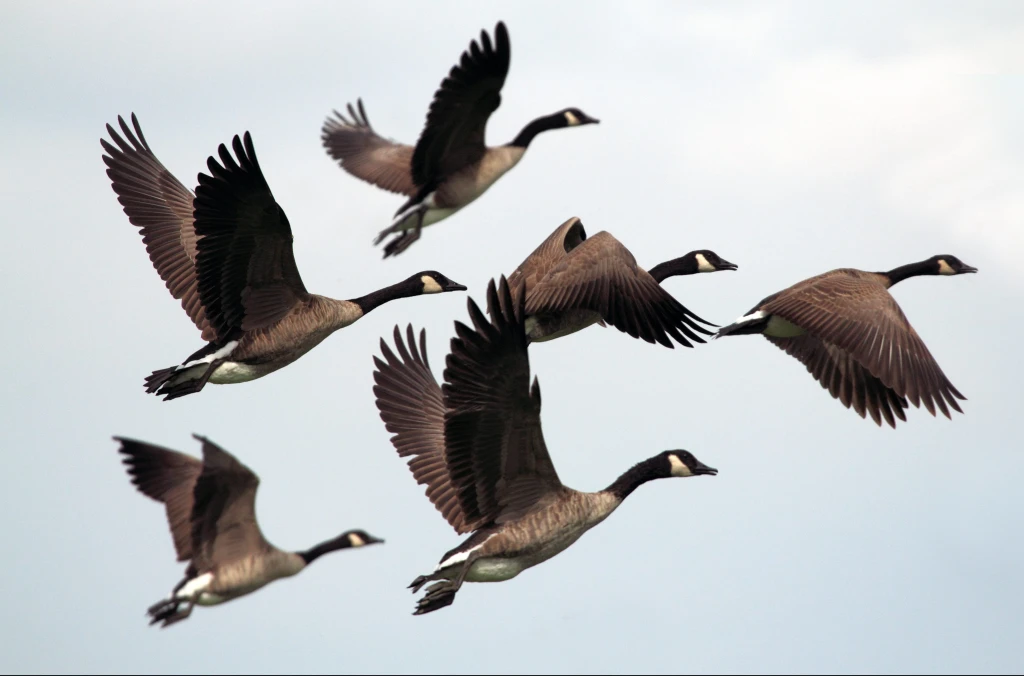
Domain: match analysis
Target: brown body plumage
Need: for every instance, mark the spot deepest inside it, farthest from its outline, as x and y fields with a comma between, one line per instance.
x=451, y=165
x=852, y=336
x=211, y=511
x=226, y=252
x=572, y=281
x=477, y=445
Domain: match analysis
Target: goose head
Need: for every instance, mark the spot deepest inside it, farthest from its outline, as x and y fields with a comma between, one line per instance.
x=357, y=538
x=706, y=260
x=680, y=463
x=950, y=265
x=574, y=117
x=432, y=281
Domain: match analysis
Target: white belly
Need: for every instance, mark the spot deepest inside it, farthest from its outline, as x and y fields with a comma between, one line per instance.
x=434, y=215
x=233, y=372
x=498, y=569
x=494, y=570
x=208, y=599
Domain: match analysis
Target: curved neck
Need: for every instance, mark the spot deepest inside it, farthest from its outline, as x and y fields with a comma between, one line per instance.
x=375, y=299
x=897, y=275
x=314, y=553
x=640, y=473
x=531, y=130
x=685, y=265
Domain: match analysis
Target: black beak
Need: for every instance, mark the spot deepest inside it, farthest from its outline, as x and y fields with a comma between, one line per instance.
x=454, y=286
x=701, y=468
x=374, y=541
x=967, y=268
x=590, y=120
x=726, y=265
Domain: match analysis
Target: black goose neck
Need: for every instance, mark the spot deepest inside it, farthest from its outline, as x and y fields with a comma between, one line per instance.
x=686, y=265
x=897, y=275
x=541, y=124
x=640, y=473
x=314, y=553
x=375, y=299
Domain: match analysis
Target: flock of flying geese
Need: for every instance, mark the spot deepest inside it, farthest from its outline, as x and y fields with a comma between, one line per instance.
x=474, y=441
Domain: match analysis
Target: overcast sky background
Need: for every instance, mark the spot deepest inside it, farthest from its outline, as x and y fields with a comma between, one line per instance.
x=790, y=138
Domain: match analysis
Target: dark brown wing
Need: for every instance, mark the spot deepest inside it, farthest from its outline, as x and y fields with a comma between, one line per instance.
x=853, y=311
x=453, y=137
x=495, y=451
x=224, y=527
x=412, y=407
x=363, y=153
x=551, y=251
x=602, y=276
x=247, y=274
x=161, y=207
x=845, y=379
x=168, y=477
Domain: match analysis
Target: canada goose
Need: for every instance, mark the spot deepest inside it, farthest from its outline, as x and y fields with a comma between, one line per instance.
x=226, y=252
x=450, y=165
x=478, y=446
x=211, y=512
x=572, y=282
x=855, y=340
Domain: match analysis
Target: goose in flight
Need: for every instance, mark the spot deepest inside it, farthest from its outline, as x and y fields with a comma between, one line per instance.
x=450, y=166
x=226, y=253
x=210, y=507
x=476, y=443
x=852, y=336
x=572, y=281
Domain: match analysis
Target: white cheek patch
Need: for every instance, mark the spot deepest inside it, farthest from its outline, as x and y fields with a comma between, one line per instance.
x=703, y=265
x=945, y=268
x=571, y=119
x=430, y=285
x=355, y=540
x=679, y=467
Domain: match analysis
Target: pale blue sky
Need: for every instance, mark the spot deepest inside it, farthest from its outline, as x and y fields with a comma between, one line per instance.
x=790, y=138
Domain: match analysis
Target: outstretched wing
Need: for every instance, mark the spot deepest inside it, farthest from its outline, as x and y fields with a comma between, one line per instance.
x=602, y=276
x=845, y=379
x=247, y=273
x=550, y=253
x=365, y=154
x=168, y=477
x=494, y=447
x=857, y=314
x=224, y=527
x=412, y=407
x=454, y=133
x=161, y=207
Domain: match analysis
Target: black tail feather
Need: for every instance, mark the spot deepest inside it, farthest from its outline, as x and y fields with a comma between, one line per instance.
x=169, y=611
x=418, y=583
x=439, y=595
x=405, y=236
x=400, y=243
x=156, y=379
x=173, y=382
